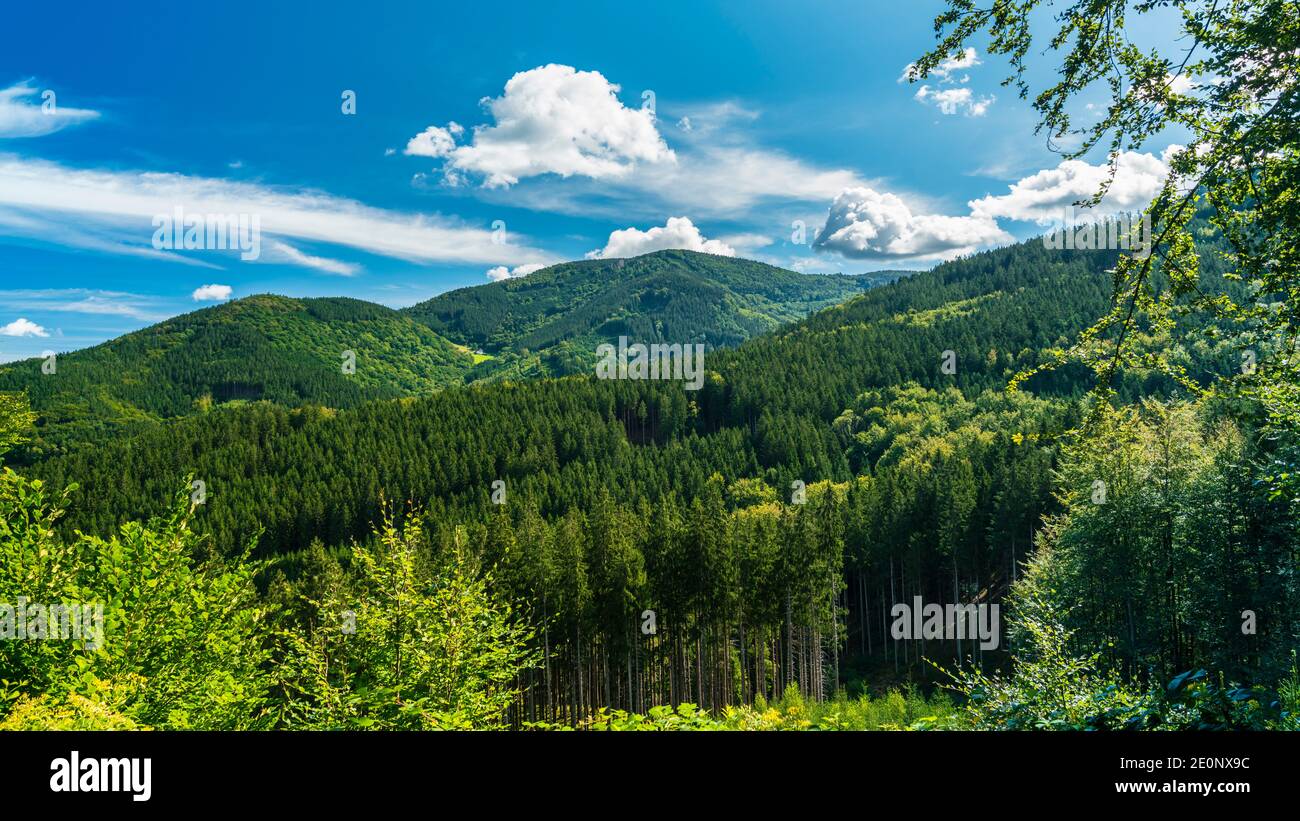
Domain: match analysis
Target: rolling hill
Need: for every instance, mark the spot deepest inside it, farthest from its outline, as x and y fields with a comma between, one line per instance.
x=550, y=322
x=290, y=351
x=272, y=348
x=768, y=409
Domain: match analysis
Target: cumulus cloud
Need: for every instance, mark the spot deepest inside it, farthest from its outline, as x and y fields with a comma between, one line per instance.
x=678, y=232
x=867, y=224
x=111, y=211
x=864, y=223
x=955, y=100
x=944, y=70
x=717, y=169
x=25, y=111
x=1049, y=195
x=501, y=272
x=434, y=141
x=552, y=119
x=23, y=327
x=211, y=293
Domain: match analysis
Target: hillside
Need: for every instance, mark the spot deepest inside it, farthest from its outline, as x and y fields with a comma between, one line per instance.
x=628, y=495
x=550, y=322
x=290, y=351
x=768, y=412
x=272, y=348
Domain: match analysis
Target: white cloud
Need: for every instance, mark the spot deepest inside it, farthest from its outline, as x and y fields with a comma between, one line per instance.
x=434, y=141
x=678, y=232
x=716, y=170
x=701, y=120
x=501, y=272
x=1049, y=195
x=211, y=293
x=84, y=301
x=734, y=178
x=93, y=235
x=715, y=181
x=23, y=327
x=113, y=211
x=954, y=100
x=746, y=244
x=943, y=71
x=1181, y=84
x=552, y=119
x=284, y=252
x=866, y=224
x=26, y=111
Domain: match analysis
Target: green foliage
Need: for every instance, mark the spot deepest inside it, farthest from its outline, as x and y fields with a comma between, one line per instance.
x=1161, y=570
x=768, y=413
x=182, y=644
x=16, y=420
x=1231, y=87
x=1051, y=687
x=410, y=644
x=625, y=497
x=894, y=710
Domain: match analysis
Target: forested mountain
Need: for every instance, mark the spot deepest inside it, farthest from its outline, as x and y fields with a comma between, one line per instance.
x=551, y=321
x=921, y=480
x=863, y=456
x=293, y=351
x=766, y=409
x=1060, y=483
x=260, y=348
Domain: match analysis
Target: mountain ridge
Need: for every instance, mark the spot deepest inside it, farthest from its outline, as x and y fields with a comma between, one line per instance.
x=293, y=350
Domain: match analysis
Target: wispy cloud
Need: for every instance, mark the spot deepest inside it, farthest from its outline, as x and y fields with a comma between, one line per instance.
x=85, y=301
x=89, y=206
x=947, y=67
x=955, y=100
x=26, y=111
x=284, y=252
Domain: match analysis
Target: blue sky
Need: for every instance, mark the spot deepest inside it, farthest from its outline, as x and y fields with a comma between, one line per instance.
x=488, y=140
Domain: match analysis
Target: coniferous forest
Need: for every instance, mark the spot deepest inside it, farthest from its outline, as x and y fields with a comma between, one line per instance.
x=1028, y=487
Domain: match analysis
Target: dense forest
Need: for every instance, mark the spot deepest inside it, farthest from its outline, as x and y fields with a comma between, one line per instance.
x=340, y=352
x=1105, y=444
x=550, y=322
x=631, y=546
x=261, y=348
